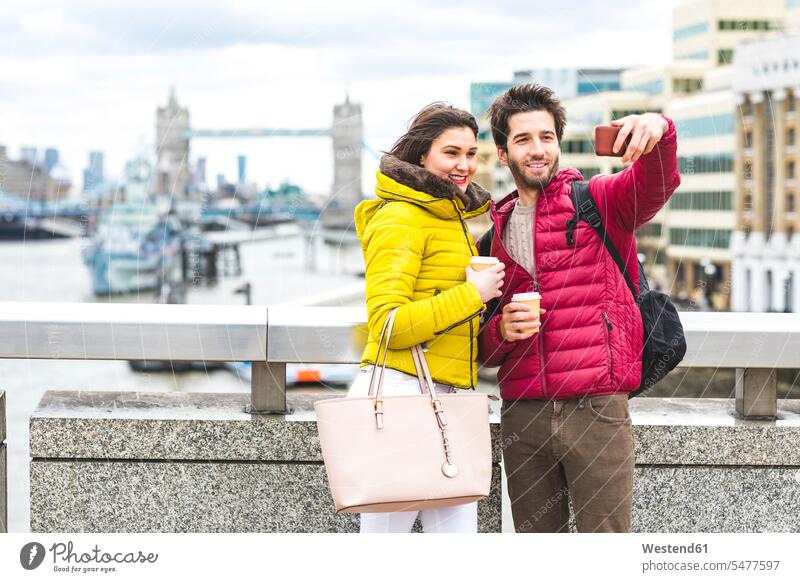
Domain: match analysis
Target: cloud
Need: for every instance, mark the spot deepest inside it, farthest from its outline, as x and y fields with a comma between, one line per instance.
x=149, y=26
x=88, y=75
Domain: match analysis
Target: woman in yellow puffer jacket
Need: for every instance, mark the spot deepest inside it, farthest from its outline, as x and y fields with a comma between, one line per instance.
x=417, y=251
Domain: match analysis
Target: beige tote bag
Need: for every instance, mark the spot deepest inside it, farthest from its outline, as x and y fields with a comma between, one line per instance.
x=404, y=453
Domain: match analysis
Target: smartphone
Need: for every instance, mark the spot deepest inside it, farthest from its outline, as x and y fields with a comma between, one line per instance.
x=604, y=138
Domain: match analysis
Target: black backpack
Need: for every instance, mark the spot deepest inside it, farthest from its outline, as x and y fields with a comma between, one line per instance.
x=664, y=339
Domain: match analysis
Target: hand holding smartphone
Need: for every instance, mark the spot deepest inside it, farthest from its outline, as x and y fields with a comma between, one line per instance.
x=604, y=138
x=640, y=133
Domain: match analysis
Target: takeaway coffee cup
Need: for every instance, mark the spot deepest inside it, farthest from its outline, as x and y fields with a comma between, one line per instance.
x=481, y=263
x=532, y=299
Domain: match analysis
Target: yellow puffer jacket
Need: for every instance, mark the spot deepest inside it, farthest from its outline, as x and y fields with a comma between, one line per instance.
x=416, y=249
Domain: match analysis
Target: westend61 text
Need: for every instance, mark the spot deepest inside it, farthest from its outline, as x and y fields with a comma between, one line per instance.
x=668, y=549
x=97, y=556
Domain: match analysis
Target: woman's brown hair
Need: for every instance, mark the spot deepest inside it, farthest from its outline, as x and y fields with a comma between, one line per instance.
x=426, y=126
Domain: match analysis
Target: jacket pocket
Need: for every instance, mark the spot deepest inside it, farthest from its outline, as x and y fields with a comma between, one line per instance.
x=607, y=327
x=462, y=322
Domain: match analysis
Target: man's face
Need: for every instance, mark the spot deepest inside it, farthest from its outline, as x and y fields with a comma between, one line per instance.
x=532, y=150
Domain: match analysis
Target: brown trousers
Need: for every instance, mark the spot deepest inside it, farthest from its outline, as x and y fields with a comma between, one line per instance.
x=580, y=449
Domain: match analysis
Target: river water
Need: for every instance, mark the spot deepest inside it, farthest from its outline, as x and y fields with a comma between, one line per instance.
x=52, y=271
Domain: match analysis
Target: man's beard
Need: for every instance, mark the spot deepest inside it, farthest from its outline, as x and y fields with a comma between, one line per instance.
x=537, y=183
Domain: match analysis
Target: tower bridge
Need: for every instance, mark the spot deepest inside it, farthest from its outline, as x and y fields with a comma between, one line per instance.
x=174, y=135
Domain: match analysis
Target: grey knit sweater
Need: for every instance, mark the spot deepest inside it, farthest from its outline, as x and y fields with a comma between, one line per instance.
x=518, y=236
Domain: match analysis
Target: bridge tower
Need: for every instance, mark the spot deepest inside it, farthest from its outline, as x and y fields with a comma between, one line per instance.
x=346, y=134
x=172, y=149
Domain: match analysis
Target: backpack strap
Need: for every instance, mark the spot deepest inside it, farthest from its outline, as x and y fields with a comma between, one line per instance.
x=586, y=210
x=485, y=242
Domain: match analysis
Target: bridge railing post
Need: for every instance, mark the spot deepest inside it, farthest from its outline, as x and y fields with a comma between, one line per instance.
x=268, y=388
x=756, y=393
x=267, y=384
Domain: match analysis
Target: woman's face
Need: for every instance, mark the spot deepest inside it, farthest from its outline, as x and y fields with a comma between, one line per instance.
x=453, y=156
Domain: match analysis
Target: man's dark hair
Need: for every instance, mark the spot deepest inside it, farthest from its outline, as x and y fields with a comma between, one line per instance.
x=426, y=126
x=521, y=99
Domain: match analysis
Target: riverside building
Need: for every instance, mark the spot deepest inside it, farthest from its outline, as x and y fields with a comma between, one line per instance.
x=700, y=246
x=766, y=239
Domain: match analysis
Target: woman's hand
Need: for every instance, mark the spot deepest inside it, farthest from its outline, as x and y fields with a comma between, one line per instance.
x=489, y=281
x=519, y=322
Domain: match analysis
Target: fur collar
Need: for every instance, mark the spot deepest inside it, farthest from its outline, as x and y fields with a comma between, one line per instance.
x=421, y=180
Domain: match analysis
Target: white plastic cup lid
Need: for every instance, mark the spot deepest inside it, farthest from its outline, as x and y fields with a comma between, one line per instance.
x=526, y=296
x=484, y=260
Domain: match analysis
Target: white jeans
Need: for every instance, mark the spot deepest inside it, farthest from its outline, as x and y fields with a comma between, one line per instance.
x=455, y=519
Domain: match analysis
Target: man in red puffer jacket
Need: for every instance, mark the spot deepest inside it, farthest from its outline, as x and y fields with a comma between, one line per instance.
x=565, y=386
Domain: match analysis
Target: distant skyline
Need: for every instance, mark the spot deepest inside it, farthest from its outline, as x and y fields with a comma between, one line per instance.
x=88, y=75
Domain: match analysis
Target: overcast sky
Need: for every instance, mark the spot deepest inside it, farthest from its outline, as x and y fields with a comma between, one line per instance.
x=87, y=74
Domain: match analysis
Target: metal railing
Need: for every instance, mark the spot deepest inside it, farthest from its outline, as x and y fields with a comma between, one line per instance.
x=756, y=344
x=268, y=337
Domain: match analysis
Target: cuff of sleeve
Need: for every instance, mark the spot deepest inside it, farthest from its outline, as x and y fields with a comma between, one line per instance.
x=496, y=331
x=671, y=133
x=475, y=295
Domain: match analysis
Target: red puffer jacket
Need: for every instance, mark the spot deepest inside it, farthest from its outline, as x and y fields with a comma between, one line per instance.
x=591, y=337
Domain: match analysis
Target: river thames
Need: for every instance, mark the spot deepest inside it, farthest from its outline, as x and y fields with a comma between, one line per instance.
x=52, y=271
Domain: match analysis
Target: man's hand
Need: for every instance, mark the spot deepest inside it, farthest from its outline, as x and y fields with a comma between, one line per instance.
x=646, y=131
x=519, y=322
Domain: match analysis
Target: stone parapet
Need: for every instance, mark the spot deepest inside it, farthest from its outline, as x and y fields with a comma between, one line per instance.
x=121, y=461
x=164, y=462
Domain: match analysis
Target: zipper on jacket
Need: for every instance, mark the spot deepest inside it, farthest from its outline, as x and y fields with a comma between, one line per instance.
x=607, y=329
x=463, y=321
x=464, y=230
x=539, y=338
x=483, y=307
x=471, y=354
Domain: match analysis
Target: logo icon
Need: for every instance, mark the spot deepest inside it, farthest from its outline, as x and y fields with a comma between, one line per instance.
x=32, y=555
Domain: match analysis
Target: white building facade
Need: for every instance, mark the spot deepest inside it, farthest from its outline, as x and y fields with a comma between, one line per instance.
x=766, y=241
